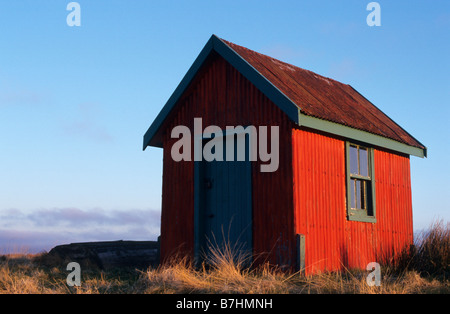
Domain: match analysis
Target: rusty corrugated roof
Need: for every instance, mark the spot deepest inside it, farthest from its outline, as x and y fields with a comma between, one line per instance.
x=325, y=98
x=307, y=98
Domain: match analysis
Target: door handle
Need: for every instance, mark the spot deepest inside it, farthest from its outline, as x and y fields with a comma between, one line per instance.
x=208, y=183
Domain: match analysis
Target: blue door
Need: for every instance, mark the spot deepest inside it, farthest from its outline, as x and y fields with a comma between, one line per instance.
x=226, y=200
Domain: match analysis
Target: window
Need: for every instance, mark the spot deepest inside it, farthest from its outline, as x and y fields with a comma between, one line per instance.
x=360, y=183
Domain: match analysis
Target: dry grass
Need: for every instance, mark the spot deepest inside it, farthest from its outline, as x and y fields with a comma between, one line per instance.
x=225, y=272
x=423, y=269
x=430, y=254
x=224, y=275
x=24, y=274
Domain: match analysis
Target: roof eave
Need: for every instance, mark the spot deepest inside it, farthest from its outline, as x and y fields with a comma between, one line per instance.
x=424, y=153
x=256, y=78
x=276, y=96
x=359, y=135
x=155, y=126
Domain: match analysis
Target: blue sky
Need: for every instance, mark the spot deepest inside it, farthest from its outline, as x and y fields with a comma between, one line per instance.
x=76, y=101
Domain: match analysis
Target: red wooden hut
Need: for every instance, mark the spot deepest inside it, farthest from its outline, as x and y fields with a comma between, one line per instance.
x=341, y=195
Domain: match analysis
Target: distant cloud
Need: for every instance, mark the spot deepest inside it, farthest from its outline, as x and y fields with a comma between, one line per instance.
x=43, y=229
x=21, y=97
x=88, y=129
x=16, y=92
x=87, y=124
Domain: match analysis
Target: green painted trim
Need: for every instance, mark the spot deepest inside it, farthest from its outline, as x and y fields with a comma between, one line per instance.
x=170, y=104
x=347, y=179
x=362, y=218
x=300, y=241
x=360, y=215
x=257, y=79
x=276, y=96
x=374, y=196
x=358, y=135
x=424, y=151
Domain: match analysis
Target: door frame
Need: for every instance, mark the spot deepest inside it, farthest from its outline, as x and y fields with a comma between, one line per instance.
x=199, y=197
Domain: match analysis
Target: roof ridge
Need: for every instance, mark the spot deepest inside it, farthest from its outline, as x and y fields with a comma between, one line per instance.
x=334, y=103
x=280, y=61
x=302, y=95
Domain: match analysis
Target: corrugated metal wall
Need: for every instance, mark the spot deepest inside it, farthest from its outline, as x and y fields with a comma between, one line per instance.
x=331, y=241
x=223, y=97
x=177, y=208
x=306, y=195
x=394, y=203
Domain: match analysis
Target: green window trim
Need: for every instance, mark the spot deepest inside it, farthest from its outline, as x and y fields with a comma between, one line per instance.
x=368, y=211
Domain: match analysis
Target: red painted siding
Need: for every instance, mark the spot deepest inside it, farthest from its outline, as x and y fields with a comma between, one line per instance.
x=177, y=206
x=222, y=96
x=331, y=241
x=306, y=195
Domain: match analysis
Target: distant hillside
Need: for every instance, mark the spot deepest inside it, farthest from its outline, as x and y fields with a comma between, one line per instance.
x=109, y=254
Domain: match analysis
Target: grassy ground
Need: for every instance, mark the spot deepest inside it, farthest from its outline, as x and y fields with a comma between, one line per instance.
x=423, y=269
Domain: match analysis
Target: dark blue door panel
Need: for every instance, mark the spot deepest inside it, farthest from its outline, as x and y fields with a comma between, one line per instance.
x=226, y=213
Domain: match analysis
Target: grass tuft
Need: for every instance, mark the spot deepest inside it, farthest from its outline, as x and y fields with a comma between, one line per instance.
x=421, y=269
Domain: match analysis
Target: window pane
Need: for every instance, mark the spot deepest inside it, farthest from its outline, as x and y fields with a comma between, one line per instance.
x=358, y=194
x=363, y=194
x=352, y=194
x=369, y=205
x=353, y=159
x=363, y=162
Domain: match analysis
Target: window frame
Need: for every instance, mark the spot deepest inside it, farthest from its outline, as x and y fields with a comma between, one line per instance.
x=354, y=214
